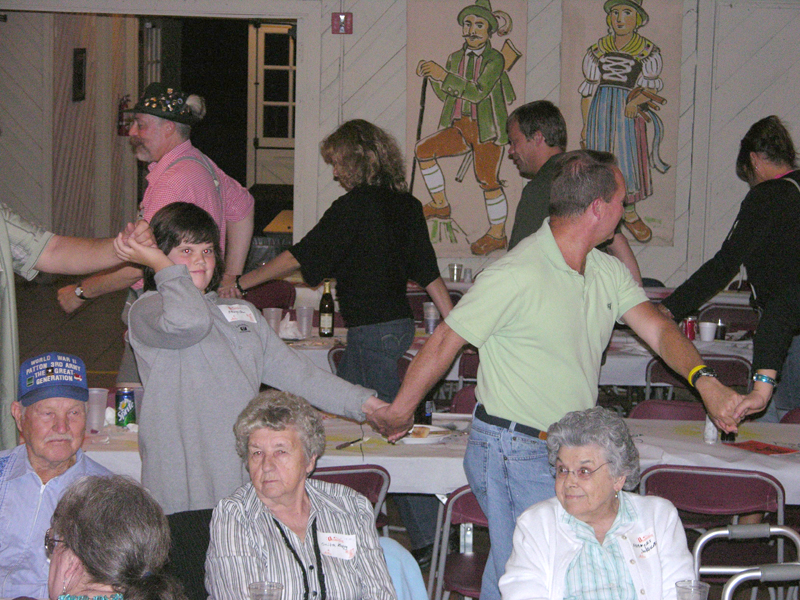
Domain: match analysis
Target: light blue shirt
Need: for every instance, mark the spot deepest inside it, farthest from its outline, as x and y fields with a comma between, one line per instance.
x=599, y=571
x=25, y=510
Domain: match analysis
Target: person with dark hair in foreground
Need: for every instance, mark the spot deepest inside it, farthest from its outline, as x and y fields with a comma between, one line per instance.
x=109, y=540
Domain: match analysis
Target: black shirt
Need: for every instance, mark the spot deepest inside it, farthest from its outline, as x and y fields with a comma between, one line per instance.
x=765, y=238
x=372, y=241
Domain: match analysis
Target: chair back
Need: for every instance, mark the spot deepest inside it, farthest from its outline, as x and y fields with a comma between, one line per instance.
x=402, y=365
x=335, y=355
x=460, y=573
x=272, y=294
x=675, y=410
x=732, y=371
x=736, y=318
x=715, y=491
x=468, y=368
x=793, y=416
x=370, y=480
x=464, y=401
x=418, y=296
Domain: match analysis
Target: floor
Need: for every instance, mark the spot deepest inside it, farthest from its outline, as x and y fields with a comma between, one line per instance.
x=95, y=333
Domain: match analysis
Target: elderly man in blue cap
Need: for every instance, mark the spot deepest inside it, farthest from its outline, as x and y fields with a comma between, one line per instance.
x=51, y=417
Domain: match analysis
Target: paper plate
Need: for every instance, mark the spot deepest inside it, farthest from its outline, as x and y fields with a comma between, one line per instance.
x=436, y=435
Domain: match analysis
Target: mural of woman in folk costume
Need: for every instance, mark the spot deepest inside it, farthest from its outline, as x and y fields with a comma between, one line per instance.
x=622, y=74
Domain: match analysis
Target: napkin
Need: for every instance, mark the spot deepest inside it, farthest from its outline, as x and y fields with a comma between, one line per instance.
x=289, y=330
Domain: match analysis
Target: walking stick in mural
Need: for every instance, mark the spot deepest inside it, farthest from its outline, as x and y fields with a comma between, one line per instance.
x=475, y=89
x=422, y=95
x=619, y=97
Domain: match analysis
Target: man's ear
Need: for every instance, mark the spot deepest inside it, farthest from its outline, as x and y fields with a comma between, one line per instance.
x=16, y=412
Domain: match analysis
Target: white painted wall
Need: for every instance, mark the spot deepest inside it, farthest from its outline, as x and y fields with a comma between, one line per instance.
x=740, y=61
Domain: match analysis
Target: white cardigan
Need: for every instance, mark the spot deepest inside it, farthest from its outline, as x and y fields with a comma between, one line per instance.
x=654, y=546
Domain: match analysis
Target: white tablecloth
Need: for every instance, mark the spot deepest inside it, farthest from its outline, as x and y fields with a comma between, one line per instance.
x=627, y=357
x=681, y=443
x=438, y=468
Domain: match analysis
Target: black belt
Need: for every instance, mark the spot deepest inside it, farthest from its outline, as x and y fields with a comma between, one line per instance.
x=483, y=416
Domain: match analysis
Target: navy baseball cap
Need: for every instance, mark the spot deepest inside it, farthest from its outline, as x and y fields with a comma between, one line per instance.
x=52, y=375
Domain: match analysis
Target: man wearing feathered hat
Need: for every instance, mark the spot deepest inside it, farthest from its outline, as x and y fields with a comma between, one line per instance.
x=178, y=172
x=475, y=89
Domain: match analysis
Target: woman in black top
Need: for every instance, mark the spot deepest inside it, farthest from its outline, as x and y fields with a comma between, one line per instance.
x=372, y=241
x=765, y=238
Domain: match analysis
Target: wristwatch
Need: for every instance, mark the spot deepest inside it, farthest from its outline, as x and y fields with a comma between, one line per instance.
x=79, y=293
x=704, y=371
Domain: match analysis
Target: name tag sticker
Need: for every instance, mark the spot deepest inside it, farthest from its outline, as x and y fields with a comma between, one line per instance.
x=337, y=545
x=237, y=312
x=645, y=543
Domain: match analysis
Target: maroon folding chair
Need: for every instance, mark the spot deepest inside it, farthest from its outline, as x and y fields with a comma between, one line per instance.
x=272, y=294
x=736, y=318
x=468, y=368
x=707, y=497
x=675, y=410
x=458, y=572
x=370, y=480
x=731, y=370
x=793, y=416
x=464, y=401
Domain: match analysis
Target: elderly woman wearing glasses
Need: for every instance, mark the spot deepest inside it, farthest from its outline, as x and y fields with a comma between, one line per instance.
x=318, y=539
x=593, y=540
x=109, y=539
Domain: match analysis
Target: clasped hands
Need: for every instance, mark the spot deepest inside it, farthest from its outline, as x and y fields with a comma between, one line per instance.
x=386, y=421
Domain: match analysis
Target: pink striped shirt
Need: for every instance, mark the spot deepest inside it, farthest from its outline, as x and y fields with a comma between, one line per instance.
x=190, y=181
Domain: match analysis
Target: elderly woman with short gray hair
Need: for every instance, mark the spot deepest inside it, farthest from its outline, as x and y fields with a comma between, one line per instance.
x=318, y=539
x=594, y=540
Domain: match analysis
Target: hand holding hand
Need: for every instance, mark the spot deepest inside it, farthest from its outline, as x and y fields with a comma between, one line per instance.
x=386, y=423
x=141, y=232
x=129, y=249
x=721, y=403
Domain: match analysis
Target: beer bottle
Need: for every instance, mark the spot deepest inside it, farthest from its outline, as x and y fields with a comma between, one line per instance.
x=326, y=311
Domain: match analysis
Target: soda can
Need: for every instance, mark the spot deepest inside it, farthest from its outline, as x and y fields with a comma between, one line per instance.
x=691, y=327
x=126, y=407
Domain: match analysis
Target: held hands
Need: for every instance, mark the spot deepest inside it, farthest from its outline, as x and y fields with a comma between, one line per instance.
x=141, y=232
x=721, y=402
x=384, y=421
x=129, y=249
x=227, y=287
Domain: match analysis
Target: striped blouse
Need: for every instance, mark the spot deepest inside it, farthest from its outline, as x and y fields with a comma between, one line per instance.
x=247, y=546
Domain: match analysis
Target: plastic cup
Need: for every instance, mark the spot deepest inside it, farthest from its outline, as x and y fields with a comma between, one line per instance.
x=96, y=409
x=708, y=330
x=690, y=589
x=273, y=317
x=456, y=271
x=305, y=317
x=431, y=316
x=265, y=590
x=467, y=275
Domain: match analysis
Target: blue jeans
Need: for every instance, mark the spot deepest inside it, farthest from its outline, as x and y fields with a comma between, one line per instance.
x=370, y=359
x=508, y=472
x=787, y=394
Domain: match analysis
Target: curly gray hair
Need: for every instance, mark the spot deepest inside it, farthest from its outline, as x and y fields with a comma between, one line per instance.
x=603, y=428
x=278, y=410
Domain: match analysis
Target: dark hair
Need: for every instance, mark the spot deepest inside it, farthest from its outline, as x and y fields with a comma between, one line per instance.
x=120, y=535
x=770, y=138
x=179, y=223
x=580, y=177
x=603, y=428
x=367, y=154
x=544, y=116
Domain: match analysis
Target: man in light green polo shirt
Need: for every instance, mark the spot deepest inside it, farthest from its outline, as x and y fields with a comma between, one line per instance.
x=541, y=317
x=26, y=249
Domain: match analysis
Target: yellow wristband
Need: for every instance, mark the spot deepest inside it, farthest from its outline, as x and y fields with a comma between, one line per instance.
x=692, y=372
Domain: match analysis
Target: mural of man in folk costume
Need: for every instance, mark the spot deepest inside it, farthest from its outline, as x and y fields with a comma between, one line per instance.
x=619, y=98
x=476, y=90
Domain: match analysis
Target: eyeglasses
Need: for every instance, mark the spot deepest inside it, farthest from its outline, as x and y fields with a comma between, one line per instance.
x=50, y=543
x=583, y=473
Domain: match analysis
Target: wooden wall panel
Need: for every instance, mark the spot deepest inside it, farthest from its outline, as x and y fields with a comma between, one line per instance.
x=25, y=115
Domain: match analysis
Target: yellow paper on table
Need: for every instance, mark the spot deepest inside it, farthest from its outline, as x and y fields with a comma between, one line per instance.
x=282, y=223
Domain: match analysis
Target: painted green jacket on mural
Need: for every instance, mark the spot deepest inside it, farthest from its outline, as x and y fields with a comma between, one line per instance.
x=490, y=93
